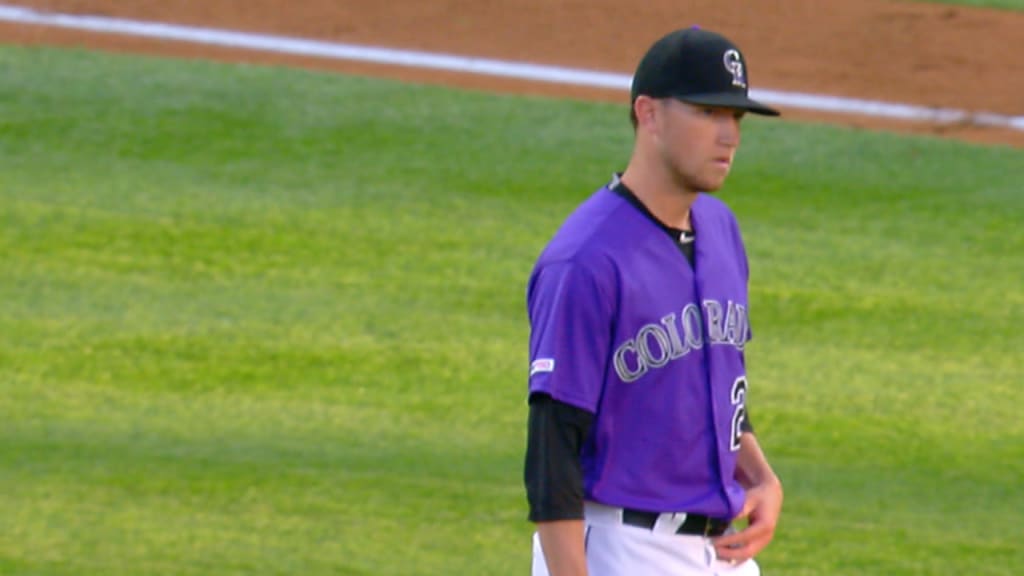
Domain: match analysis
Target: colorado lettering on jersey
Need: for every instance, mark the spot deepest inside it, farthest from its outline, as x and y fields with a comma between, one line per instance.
x=733, y=329
x=675, y=336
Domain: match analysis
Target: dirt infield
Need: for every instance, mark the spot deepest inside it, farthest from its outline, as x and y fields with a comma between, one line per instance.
x=915, y=53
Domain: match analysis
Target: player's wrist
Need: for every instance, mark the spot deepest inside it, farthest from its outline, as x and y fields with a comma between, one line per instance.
x=771, y=482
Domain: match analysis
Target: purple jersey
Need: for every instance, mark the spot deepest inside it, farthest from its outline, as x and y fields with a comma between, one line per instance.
x=622, y=326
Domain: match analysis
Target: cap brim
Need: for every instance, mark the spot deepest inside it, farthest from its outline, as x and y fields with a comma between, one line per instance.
x=729, y=100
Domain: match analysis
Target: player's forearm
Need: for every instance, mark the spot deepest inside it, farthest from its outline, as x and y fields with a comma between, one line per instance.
x=752, y=467
x=562, y=542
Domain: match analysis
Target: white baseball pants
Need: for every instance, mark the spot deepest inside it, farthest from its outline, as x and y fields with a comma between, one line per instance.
x=617, y=549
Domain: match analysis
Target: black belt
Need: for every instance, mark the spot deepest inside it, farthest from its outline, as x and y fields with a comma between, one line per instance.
x=695, y=524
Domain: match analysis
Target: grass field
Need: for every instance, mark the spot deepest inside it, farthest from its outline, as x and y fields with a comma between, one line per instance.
x=264, y=321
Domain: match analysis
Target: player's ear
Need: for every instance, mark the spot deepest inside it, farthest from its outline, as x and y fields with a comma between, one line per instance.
x=644, y=110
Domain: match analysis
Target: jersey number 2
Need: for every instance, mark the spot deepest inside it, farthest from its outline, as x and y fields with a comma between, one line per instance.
x=739, y=403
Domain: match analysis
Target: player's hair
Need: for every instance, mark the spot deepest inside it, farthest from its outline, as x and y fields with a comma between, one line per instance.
x=632, y=115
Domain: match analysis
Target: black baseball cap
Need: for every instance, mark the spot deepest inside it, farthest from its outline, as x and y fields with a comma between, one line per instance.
x=699, y=67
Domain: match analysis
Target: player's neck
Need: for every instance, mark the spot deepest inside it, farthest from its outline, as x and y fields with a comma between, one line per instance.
x=666, y=199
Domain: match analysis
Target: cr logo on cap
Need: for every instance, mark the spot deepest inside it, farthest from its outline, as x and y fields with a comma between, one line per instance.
x=734, y=64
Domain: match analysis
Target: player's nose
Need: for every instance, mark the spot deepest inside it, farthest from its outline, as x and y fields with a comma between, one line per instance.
x=729, y=131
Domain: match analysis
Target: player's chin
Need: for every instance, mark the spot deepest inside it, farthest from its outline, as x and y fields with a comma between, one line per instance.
x=711, y=184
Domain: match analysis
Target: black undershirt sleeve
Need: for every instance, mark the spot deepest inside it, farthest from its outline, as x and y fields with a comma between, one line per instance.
x=552, y=474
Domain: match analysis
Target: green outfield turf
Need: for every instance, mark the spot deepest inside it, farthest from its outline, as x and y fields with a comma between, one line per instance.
x=264, y=321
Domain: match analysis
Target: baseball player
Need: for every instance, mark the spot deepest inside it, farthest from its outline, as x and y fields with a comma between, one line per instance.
x=640, y=454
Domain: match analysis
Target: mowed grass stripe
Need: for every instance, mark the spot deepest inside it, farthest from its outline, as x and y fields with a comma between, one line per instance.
x=256, y=320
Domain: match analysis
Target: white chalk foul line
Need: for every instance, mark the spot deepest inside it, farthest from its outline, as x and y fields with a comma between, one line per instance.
x=482, y=66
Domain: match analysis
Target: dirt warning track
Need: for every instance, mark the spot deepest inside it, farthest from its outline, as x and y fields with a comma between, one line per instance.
x=917, y=54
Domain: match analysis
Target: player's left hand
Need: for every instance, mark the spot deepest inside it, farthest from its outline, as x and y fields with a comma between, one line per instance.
x=762, y=509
